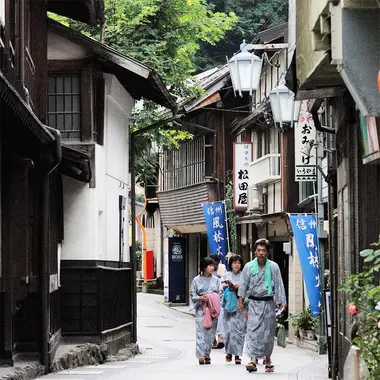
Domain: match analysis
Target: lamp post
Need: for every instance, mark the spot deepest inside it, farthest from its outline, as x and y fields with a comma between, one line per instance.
x=285, y=109
x=245, y=70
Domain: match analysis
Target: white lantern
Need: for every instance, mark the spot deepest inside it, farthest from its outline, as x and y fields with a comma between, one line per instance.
x=285, y=109
x=245, y=71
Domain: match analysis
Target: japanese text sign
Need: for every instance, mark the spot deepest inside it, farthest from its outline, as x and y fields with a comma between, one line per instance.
x=242, y=159
x=217, y=234
x=304, y=145
x=304, y=229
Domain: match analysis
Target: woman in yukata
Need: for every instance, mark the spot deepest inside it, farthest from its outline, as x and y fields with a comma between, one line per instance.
x=203, y=287
x=234, y=322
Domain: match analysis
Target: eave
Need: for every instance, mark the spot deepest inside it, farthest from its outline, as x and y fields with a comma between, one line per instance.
x=138, y=79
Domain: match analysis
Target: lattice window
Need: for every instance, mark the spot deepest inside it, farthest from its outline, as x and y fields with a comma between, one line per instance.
x=65, y=104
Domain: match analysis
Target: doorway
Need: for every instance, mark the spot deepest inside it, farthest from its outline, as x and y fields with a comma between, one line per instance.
x=282, y=259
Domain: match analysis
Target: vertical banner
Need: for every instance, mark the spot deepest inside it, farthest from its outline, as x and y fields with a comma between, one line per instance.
x=304, y=145
x=177, y=275
x=242, y=158
x=217, y=233
x=304, y=229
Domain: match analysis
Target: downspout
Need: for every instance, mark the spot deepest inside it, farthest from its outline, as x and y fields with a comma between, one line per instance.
x=143, y=229
x=133, y=247
x=224, y=156
x=45, y=276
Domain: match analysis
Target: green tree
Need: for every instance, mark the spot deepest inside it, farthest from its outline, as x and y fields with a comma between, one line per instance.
x=165, y=35
x=254, y=17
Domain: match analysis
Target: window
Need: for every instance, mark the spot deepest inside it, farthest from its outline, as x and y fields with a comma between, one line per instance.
x=65, y=104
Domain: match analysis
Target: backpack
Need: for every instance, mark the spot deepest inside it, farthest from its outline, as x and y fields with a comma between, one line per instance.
x=230, y=301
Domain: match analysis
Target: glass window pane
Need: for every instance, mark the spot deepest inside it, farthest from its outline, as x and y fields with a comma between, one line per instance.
x=76, y=122
x=68, y=122
x=68, y=105
x=68, y=87
x=60, y=123
x=76, y=103
x=59, y=103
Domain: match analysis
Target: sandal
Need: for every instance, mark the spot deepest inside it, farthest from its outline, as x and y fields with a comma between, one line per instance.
x=201, y=360
x=207, y=361
x=228, y=358
x=269, y=367
x=237, y=360
x=251, y=367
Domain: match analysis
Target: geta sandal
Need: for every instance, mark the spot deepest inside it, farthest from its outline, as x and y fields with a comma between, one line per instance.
x=251, y=367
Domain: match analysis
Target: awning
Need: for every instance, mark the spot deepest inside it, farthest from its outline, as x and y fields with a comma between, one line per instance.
x=23, y=112
x=76, y=163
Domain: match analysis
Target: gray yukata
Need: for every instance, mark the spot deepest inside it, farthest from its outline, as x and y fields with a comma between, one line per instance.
x=234, y=323
x=200, y=286
x=261, y=325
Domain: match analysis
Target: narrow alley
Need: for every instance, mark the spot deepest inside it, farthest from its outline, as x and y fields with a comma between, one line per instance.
x=167, y=342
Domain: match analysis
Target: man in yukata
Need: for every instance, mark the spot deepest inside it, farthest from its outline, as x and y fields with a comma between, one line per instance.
x=262, y=284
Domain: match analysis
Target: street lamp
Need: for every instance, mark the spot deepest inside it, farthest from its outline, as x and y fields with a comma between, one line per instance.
x=285, y=109
x=245, y=70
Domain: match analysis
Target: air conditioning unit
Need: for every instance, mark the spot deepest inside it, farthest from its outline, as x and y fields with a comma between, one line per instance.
x=254, y=198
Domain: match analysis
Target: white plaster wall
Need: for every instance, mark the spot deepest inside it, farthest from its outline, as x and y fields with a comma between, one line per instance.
x=92, y=214
x=193, y=247
x=61, y=48
x=274, y=198
x=80, y=220
x=114, y=167
x=296, y=288
x=158, y=245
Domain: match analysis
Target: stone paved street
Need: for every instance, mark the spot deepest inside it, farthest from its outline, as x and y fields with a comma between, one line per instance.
x=166, y=339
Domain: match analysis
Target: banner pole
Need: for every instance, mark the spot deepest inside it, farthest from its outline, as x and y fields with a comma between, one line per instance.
x=227, y=230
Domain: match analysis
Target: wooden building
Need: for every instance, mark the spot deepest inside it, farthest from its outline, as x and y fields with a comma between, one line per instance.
x=31, y=212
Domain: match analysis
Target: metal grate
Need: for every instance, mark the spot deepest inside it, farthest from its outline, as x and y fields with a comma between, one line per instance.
x=64, y=104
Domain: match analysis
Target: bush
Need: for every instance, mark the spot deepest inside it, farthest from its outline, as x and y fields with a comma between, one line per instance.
x=363, y=291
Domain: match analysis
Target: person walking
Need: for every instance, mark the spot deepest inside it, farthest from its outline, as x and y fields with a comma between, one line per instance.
x=205, y=298
x=262, y=284
x=234, y=322
x=219, y=271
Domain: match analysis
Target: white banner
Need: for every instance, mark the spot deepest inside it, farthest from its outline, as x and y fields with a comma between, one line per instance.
x=304, y=145
x=242, y=159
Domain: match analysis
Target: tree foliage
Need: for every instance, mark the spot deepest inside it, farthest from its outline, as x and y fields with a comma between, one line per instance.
x=254, y=16
x=165, y=35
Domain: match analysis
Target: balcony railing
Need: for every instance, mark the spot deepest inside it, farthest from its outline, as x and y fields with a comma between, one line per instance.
x=265, y=170
x=30, y=76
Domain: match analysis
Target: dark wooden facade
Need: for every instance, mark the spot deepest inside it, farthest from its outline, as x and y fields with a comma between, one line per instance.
x=31, y=191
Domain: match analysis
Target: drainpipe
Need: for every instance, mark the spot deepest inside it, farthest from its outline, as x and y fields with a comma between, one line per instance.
x=45, y=275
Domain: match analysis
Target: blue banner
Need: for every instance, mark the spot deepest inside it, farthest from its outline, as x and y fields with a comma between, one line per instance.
x=305, y=234
x=217, y=233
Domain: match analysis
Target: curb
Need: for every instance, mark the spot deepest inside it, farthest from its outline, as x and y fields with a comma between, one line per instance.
x=81, y=355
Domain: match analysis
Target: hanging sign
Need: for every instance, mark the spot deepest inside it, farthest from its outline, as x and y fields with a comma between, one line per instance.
x=217, y=233
x=304, y=229
x=305, y=145
x=242, y=158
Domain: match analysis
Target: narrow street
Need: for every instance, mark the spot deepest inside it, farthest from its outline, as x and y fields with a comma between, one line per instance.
x=167, y=343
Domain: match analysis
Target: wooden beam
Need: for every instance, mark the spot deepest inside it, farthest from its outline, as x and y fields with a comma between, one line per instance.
x=320, y=93
x=269, y=46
